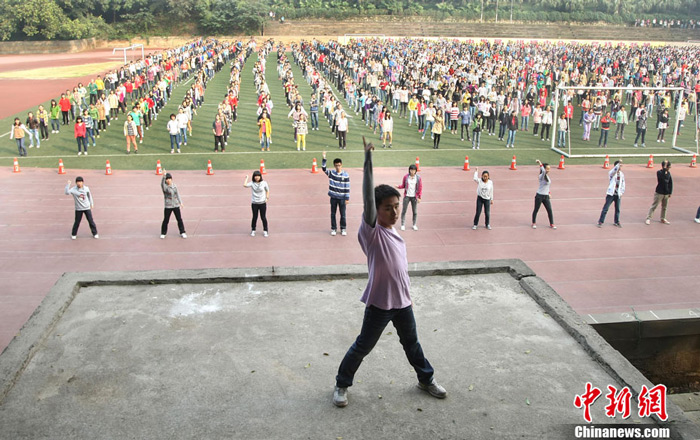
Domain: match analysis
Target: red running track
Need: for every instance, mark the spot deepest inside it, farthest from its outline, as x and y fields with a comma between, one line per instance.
x=596, y=271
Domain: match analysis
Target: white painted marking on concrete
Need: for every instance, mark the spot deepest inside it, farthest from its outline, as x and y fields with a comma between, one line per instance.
x=655, y=315
x=250, y=289
x=592, y=318
x=197, y=303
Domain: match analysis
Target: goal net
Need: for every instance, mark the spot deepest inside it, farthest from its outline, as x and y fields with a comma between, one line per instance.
x=657, y=120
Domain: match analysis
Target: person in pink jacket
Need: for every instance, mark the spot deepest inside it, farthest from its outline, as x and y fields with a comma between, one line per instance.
x=80, y=131
x=412, y=186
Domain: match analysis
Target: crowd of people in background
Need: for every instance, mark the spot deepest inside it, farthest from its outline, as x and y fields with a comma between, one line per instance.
x=485, y=87
x=137, y=92
x=665, y=23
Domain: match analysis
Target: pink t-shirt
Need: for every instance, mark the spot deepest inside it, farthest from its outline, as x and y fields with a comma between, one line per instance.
x=388, y=285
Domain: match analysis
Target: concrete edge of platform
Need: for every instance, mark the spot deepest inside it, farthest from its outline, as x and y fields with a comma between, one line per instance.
x=15, y=358
x=611, y=360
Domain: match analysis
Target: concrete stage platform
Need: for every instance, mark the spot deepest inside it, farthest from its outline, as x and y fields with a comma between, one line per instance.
x=252, y=354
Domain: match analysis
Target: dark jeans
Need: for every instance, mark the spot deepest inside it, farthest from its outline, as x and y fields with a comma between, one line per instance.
x=166, y=220
x=81, y=140
x=486, y=204
x=608, y=200
x=373, y=325
x=218, y=143
x=66, y=120
x=262, y=209
x=640, y=133
x=502, y=131
x=465, y=127
x=414, y=206
x=436, y=140
x=341, y=138
x=698, y=213
x=79, y=218
x=545, y=127
x=539, y=200
x=335, y=205
x=603, y=138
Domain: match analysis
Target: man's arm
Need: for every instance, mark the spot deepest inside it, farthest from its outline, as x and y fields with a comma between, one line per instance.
x=370, y=210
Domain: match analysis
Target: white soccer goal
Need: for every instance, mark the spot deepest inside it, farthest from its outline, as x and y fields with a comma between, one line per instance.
x=132, y=48
x=564, y=91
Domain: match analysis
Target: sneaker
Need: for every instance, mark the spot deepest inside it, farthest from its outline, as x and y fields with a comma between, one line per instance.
x=80, y=153
x=488, y=227
x=619, y=225
x=172, y=151
x=73, y=237
x=265, y=234
x=474, y=227
x=433, y=389
x=135, y=152
x=252, y=233
x=600, y=225
x=696, y=220
x=647, y=222
x=96, y=236
x=162, y=236
x=644, y=145
x=415, y=227
x=664, y=221
x=635, y=145
x=340, y=397
x=343, y=232
x=403, y=227
x=86, y=153
x=552, y=226
x=534, y=226
x=178, y=151
x=183, y=235
x=333, y=232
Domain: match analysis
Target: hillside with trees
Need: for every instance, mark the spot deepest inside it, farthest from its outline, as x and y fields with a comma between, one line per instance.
x=108, y=19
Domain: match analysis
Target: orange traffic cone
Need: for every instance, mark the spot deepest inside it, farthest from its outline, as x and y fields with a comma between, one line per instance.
x=418, y=164
x=606, y=164
x=314, y=167
x=513, y=165
x=561, y=163
x=15, y=167
x=108, y=169
x=466, y=163
x=262, y=167
x=61, y=168
x=210, y=170
x=159, y=169
x=650, y=163
x=693, y=164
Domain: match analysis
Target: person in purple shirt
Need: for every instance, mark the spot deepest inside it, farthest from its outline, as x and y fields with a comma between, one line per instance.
x=387, y=294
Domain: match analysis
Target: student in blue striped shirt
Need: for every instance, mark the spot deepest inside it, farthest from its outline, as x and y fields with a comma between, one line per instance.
x=338, y=191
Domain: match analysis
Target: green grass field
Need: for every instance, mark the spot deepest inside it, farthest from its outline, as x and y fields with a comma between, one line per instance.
x=243, y=151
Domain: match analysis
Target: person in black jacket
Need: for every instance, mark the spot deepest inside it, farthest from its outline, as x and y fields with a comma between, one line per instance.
x=512, y=129
x=664, y=189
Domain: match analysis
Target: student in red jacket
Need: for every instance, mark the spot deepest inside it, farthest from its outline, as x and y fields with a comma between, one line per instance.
x=80, y=131
x=65, y=105
x=605, y=122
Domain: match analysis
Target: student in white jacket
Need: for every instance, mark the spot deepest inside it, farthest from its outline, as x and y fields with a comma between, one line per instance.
x=616, y=188
x=484, y=197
